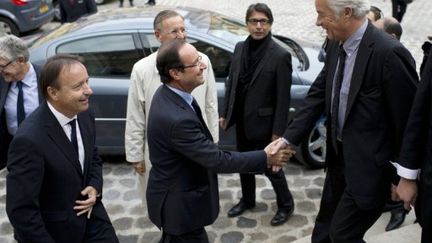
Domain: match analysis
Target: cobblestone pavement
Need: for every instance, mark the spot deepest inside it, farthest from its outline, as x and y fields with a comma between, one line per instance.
x=292, y=18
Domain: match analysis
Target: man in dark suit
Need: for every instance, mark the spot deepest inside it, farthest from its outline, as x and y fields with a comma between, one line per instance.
x=19, y=89
x=54, y=183
x=257, y=101
x=71, y=10
x=182, y=191
x=365, y=89
x=415, y=161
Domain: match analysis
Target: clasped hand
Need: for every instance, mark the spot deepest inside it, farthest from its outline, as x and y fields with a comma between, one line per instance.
x=278, y=154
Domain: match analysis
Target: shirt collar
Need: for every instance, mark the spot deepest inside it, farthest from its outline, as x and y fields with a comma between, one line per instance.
x=62, y=119
x=353, y=42
x=185, y=95
x=29, y=79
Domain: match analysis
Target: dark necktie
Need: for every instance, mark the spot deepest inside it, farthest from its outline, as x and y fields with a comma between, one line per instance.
x=73, y=135
x=200, y=117
x=20, y=103
x=336, y=96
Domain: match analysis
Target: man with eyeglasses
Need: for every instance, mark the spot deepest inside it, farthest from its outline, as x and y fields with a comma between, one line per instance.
x=182, y=193
x=19, y=93
x=145, y=79
x=257, y=101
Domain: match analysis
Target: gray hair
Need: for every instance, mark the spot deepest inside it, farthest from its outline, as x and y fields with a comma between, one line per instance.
x=360, y=7
x=12, y=47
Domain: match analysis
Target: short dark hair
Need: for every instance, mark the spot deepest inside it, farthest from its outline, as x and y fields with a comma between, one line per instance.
x=393, y=27
x=52, y=69
x=168, y=57
x=162, y=15
x=378, y=14
x=259, y=7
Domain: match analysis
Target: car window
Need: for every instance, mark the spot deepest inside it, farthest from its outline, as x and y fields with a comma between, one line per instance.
x=105, y=56
x=220, y=59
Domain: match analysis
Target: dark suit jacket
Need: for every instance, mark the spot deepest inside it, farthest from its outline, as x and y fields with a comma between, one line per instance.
x=417, y=146
x=382, y=89
x=45, y=179
x=5, y=137
x=182, y=191
x=71, y=10
x=268, y=96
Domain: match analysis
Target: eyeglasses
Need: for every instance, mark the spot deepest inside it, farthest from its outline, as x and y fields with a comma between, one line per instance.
x=2, y=67
x=177, y=31
x=256, y=21
x=196, y=63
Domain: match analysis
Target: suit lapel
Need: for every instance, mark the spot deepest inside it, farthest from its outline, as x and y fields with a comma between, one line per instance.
x=85, y=136
x=332, y=62
x=38, y=71
x=4, y=91
x=360, y=66
x=59, y=138
x=183, y=105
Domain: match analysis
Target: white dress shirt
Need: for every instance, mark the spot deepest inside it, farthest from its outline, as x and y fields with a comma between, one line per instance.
x=64, y=123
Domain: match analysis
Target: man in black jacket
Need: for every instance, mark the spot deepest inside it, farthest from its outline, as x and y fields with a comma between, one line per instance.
x=257, y=100
x=71, y=10
x=19, y=89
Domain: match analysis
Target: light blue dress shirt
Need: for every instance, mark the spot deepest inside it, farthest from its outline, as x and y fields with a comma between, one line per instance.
x=31, y=99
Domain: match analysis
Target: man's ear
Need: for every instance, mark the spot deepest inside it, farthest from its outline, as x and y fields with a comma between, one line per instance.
x=52, y=93
x=174, y=73
x=158, y=34
x=348, y=12
x=21, y=59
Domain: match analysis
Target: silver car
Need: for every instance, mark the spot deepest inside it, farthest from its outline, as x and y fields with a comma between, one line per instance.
x=111, y=41
x=19, y=16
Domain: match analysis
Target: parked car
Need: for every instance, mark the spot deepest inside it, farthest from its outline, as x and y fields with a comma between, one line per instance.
x=56, y=7
x=112, y=41
x=19, y=16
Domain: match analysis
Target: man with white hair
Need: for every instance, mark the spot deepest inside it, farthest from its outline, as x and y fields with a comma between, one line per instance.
x=19, y=93
x=365, y=89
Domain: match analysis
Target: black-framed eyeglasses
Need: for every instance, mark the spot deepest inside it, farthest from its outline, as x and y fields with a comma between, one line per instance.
x=2, y=67
x=196, y=63
x=256, y=21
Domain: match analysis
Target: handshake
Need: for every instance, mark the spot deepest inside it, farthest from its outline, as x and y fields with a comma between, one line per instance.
x=278, y=154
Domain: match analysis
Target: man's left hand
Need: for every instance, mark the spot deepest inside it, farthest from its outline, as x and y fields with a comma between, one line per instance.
x=86, y=206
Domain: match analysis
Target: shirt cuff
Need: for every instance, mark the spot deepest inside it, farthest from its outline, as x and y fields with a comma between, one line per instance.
x=286, y=141
x=406, y=173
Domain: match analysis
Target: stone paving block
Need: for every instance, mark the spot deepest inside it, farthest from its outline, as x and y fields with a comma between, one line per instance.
x=232, y=237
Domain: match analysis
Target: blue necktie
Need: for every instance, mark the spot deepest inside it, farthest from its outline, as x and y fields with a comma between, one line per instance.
x=73, y=135
x=20, y=103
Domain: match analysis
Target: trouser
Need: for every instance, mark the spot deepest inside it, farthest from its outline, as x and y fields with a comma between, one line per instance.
x=283, y=195
x=398, y=9
x=339, y=219
x=196, y=236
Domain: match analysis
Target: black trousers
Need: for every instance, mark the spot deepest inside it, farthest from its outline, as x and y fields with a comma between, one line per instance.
x=99, y=231
x=398, y=9
x=196, y=236
x=283, y=195
x=339, y=219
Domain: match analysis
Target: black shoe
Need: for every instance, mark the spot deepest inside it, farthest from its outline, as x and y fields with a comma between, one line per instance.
x=397, y=218
x=238, y=209
x=281, y=216
x=131, y=4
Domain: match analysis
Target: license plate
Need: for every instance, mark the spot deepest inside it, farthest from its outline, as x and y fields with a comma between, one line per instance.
x=43, y=8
